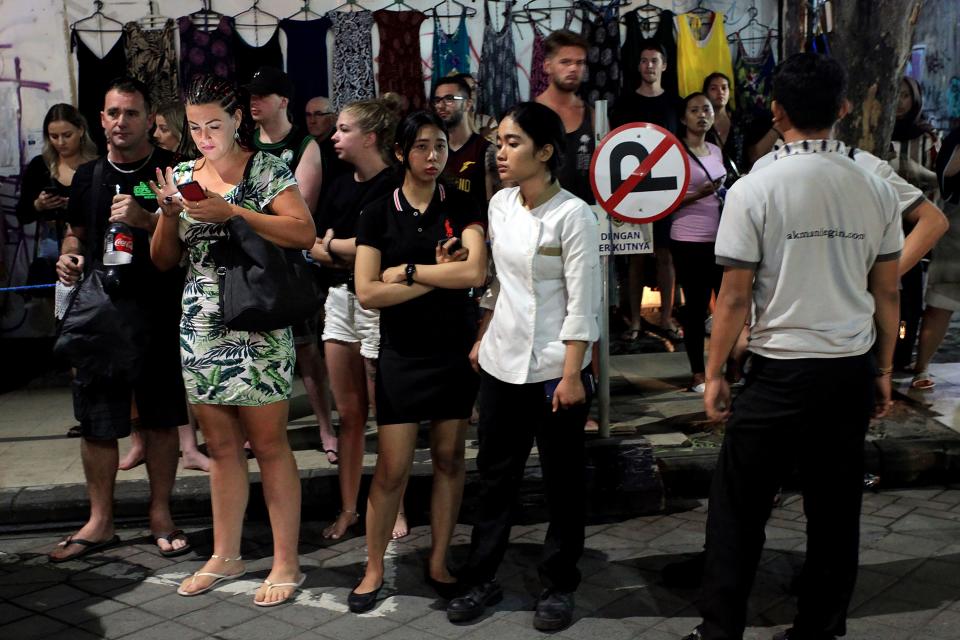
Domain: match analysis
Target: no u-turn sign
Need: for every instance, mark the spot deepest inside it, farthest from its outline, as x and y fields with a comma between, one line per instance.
x=639, y=172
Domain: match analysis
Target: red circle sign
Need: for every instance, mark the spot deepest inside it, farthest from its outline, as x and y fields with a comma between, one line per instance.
x=648, y=191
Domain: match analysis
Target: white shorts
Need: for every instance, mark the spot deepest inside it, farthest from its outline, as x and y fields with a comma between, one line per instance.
x=943, y=296
x=347, y=321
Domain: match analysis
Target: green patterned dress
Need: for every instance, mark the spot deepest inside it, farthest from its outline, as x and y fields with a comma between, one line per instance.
x=220, y=365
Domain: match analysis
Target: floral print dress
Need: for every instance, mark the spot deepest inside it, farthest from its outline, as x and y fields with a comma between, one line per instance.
x=220, y=365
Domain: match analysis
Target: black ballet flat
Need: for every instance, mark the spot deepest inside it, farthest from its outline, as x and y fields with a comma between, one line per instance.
x=363, y=602
x=446, y=590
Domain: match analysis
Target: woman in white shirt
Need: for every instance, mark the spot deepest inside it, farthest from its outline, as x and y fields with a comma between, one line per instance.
x=534, y=360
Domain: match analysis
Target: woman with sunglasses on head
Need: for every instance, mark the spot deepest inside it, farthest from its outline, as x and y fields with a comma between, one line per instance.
x=238, y=382
x=408, y=268
x=351, y=334
x=534, y=363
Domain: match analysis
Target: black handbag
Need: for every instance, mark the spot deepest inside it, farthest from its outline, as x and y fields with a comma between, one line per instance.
x=263, y=287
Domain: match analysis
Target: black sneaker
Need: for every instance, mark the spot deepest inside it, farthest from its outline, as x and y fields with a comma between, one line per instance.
x=554, y=610
x=472, y=605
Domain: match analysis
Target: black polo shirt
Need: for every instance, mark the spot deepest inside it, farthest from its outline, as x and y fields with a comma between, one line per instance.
x=404, y=235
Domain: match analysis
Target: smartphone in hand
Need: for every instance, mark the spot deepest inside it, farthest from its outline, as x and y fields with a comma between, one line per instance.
x=453, y=248
x=192, y=191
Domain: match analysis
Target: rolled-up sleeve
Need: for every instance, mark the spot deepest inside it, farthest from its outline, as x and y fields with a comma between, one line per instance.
x=580, y=240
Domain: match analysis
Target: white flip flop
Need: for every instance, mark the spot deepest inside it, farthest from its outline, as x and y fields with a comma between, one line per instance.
x=280, y=585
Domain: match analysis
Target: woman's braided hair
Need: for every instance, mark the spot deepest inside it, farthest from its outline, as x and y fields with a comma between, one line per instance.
x=210, y=89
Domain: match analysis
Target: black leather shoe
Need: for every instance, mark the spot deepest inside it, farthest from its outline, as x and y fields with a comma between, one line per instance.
x=363, y=602
x=554, y=610
x=472, y=604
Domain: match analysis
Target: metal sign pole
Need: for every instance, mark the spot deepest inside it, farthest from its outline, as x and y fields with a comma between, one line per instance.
x=601, y=126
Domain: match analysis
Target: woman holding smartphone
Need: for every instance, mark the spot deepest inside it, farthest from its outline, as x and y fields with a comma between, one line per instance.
x=238, y=382
x=534, y=361
x=45, y=187
x=428, y=321
x=694, y=228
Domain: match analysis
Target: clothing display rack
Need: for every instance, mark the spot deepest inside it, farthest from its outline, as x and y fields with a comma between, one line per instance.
x=304, y=13
x=104, y=24
x=154, y=19
x=206, y=16
x=256, y=18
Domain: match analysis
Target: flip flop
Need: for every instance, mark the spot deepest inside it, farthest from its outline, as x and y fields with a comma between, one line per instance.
x=173, y=553
x=336, y=456
x=922, y=381
x=281, y=585
x=88, y=547
x=218, y=578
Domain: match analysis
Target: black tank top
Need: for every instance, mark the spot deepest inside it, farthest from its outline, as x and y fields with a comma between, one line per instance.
x=574, y=175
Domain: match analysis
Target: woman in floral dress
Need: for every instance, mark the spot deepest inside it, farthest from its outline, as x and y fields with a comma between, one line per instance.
x=238, y=382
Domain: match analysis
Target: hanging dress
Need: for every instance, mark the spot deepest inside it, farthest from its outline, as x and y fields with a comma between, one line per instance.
x=601, y=28
x=205, y=52
x=539, y=80
x=451, y=52
x=152, y=59
x=249, y=58
x=754, y=79
x=633, y=46
x=306, y=61
x=352, y=57
x=94, y=74
x=696, y=59
x=400, y=68
x=498, y=88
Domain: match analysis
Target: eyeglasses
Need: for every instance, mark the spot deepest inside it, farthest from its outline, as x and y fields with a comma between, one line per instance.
x=320, y=114
x=448, y=99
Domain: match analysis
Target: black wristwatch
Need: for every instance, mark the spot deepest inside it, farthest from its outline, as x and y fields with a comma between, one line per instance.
x=410, y=271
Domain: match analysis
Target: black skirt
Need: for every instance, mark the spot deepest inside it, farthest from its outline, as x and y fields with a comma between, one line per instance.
x=412, y=389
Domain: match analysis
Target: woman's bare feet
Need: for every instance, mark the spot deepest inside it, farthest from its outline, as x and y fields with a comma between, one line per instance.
x=344, y=521
x=328, y=440
x=137, y=454
x=221, y=567
x=400, y=527
x=282, y=580
x=195, y=460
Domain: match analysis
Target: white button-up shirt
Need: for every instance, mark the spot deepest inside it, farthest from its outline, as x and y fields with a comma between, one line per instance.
x=547, y=288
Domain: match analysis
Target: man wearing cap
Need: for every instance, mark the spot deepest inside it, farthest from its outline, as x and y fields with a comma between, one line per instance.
x=270, y=93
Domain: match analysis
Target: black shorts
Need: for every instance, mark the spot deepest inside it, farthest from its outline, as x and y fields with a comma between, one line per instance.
x=102, y=405
x=661, y=232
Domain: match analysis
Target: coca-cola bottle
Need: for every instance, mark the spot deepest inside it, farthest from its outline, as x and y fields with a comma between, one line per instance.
x=117, y=252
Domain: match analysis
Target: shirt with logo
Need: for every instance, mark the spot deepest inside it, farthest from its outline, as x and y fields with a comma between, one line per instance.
x=466, y=170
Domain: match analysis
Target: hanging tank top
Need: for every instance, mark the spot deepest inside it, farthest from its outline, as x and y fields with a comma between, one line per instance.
x=601, y=28
x=574, y=174
x=306, y=61
x=499, y=89
x=538, y=76
x=696, y=59
x=94, y=74
x=352, y=56
x=451, y=52
x=754, y=80
x=400, y=70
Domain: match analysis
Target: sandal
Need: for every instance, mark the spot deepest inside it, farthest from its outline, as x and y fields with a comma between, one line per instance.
x=631, y=335
x=87, y=547
x=336, y=458
x=173, y=552
x=280, y=585
x=218, y=577
x=922, y=381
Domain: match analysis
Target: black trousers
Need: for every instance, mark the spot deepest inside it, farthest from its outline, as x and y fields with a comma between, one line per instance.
x=511, y=417
x=911, y=310
x=698, y=274
x=808, y=415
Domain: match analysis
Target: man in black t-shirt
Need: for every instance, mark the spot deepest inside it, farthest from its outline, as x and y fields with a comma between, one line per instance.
x=102, y=404
x=650, y=102
x=466, y=168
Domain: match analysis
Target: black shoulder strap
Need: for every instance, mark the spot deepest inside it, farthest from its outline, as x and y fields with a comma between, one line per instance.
x=697, y=160
x=96, y=185
x=852, y=152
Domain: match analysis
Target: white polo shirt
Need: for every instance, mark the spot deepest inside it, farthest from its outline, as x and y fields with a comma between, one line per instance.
x=547, y=286
x=812, y=224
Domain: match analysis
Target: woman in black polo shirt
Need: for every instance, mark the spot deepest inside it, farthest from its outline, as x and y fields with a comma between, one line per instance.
x=427, y=327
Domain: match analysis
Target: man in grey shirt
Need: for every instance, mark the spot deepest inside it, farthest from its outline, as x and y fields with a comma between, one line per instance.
x=811, y=242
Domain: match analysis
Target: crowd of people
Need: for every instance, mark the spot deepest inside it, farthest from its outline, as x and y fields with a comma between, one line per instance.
x=459, y=268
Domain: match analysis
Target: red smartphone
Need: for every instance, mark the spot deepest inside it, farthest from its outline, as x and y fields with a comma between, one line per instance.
x=192, y=191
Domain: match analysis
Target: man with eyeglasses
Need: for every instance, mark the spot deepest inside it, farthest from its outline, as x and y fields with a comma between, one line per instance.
x=466, y=167
x=321, y=120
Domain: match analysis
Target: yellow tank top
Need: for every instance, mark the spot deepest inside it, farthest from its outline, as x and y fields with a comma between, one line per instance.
x=696, y=59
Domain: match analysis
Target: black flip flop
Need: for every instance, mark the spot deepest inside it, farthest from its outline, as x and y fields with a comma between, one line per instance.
x=88, y=547
x=173, y=553
x=327, y=452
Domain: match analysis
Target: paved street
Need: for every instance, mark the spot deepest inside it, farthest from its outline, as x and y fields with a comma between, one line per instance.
x=908, y=587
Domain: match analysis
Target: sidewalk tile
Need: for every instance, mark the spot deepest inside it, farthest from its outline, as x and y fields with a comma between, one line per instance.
x=354, y=627
x=87, y=609
x=50, y=598
x=262, y=627
x=32, y=627
x=167, y=630
x=121, y=623
x=219, y=616
x=900, y=614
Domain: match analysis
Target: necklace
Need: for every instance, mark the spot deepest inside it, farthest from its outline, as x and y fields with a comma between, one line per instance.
x=129, y=171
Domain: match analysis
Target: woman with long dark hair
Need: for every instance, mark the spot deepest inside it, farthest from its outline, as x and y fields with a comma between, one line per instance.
x=694, y=228
x=428, y=324
x=238, y=382
x=534, y=363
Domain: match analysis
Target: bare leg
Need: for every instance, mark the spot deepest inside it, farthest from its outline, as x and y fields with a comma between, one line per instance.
x=401, y=528
x=191, y=455
x=348, y=382
x=162, y=446
x=229, y=488
x=934, y=327
x=447, y=450
x=100, y=469
x=635, y=291
x=313, y=373
x=137, y=453
x=266, y=428
x=394, y=458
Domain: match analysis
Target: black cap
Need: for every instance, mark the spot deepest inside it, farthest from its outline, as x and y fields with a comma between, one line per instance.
x=269, y=80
